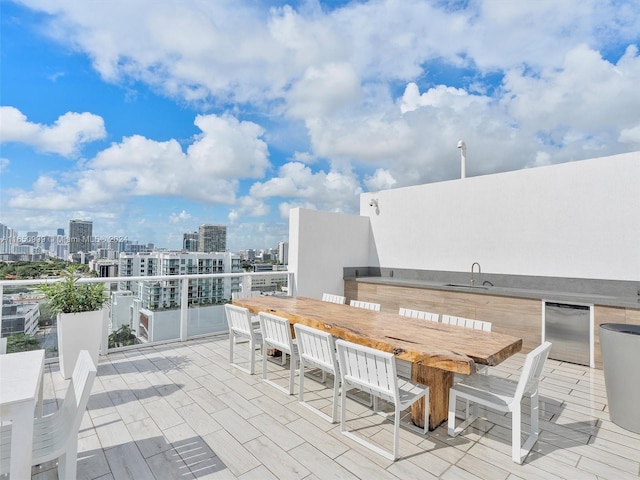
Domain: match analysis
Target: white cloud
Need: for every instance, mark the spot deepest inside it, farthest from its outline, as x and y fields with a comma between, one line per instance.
x=4, y=163
x=179, y=217
x=65, y=137
x=327, y=82
x=630, y=136
x=227, y=150
x=380, y=180
x=248, y=207
x=438, y=97
x=324, y=90
x=337, y=191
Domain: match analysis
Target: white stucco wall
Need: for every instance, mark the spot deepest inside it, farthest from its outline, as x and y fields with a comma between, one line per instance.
x=578, y=219
x=320, y=245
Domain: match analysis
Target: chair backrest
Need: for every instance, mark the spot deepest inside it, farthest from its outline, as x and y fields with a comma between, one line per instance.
x=328, y=297
x=3, y=345
x=317, y=348
x=372, y=371
x=407, y=312
x=76, y=398
x=366, y=305
x=249, y=294
x=276, y=331
x=239, y=319
x=532, y=370
x=467, y=322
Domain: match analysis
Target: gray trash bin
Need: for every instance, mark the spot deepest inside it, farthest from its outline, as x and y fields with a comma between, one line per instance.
x=620, y=344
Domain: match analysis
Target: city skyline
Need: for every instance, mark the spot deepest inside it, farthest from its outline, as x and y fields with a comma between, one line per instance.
x=37, y=237
x=150, y=118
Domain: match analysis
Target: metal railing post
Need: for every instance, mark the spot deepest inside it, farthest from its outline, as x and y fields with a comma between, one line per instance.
x=184, y=308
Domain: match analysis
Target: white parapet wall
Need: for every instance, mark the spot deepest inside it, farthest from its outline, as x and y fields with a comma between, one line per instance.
x=578, y=219
x=320, y=245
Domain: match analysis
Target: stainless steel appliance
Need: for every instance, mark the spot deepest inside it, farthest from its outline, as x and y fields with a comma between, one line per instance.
x=568, y=328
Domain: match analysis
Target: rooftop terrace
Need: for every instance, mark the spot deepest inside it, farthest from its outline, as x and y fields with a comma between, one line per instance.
x=180, y=411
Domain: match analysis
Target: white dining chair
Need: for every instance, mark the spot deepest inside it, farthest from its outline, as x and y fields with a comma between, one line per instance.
x=318, y=350
x=374, y=371
x=504, y=395
x=328, y=297
x=248, y=294
x=241, y=327
x=276, y=333
x=408, y=312
x=404, y=367
x=365, y=305
x=466, y=322
x=55, y=436
x=469, y=323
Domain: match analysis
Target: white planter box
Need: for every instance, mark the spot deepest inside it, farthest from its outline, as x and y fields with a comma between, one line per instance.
x=79, y=331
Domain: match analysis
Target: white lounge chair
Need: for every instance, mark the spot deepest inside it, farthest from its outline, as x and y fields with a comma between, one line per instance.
x=503, y=395
x=374, y=371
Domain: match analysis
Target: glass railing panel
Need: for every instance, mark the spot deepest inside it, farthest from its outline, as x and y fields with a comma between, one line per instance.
x=135, y=316
x=206, y=319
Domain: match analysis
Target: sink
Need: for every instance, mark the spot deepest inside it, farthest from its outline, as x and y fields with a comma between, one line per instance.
x=462, y=285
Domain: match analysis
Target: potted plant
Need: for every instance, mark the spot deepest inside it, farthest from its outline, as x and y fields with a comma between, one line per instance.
x=79, y=310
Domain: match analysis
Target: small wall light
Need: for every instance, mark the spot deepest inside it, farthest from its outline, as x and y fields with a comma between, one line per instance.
x=373, y=202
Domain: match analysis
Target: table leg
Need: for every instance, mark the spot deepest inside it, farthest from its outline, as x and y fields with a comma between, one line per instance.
x=439, y=382
x=21, y=440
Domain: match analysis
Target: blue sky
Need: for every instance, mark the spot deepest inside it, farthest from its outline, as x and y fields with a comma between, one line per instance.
x=153, y=117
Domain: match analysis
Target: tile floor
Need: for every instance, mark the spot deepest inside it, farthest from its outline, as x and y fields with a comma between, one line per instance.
x=179, y=411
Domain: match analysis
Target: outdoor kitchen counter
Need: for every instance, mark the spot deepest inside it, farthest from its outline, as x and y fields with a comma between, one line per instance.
x=519, y=292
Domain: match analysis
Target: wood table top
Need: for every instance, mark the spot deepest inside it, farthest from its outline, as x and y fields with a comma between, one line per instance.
x=432, y=344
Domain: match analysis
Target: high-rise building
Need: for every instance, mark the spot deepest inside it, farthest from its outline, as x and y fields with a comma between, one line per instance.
x=190, y=242
x=60, y=232
x=212, y=238
x=80, y=235
x=283, y=253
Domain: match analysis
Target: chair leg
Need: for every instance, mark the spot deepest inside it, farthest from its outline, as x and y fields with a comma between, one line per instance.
x=343, y=405
x=535, y=407
x=533, y=434
x=68, y=461
x=231, y=342
x=292, y=372
x=516, y=422
x=426, y=414
x=336, y=389
x=396, y=433
x=252, y=365
x=264, y=363
x=301, y=383
x=470, y=416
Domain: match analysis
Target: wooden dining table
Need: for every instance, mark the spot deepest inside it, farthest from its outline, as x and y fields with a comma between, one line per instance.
x=435, y=350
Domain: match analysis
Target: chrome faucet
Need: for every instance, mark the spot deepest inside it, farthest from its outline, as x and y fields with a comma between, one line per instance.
x=473, y=265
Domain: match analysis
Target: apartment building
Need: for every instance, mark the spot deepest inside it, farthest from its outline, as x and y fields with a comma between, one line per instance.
x=167, y=293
